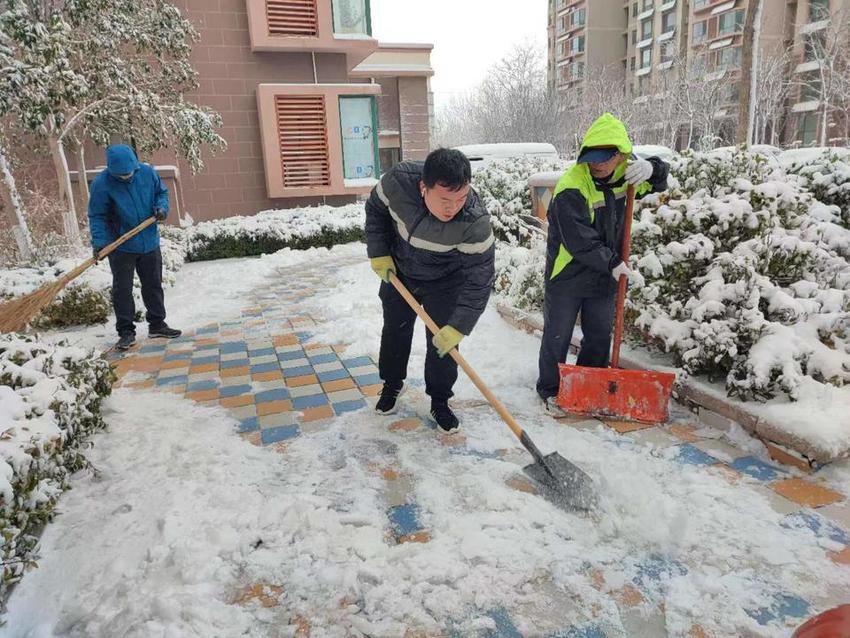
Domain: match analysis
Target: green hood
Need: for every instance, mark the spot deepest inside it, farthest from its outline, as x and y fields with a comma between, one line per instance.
x=608, y=131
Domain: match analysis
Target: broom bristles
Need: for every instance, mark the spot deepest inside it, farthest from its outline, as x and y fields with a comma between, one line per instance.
x=16, y=314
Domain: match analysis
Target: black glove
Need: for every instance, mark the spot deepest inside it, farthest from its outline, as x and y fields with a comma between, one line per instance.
x=95, y=251
x=159, y=214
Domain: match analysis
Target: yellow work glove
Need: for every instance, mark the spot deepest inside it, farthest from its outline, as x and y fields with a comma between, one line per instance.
x=447, y=339
x=383, y=266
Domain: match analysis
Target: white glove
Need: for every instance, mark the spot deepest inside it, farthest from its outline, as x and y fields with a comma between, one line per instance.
x=638, y=171
x=620, y=270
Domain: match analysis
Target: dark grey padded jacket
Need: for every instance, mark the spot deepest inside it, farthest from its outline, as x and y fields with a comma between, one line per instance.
x=424, y=248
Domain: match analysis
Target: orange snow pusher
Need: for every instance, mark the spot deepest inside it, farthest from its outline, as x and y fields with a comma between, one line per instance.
x=631, y=395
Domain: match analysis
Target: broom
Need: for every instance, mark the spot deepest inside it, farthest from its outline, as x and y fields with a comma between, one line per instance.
x=16, y=314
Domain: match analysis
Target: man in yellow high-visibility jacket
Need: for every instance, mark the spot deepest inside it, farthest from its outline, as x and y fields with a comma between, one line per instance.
x=583, y=263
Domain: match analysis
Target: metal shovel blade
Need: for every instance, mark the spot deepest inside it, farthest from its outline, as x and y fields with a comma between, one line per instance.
x=563, y=482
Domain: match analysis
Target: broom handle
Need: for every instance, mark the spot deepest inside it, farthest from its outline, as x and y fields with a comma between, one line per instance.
x=434, y=328
x=621, y=285
x=106, y=250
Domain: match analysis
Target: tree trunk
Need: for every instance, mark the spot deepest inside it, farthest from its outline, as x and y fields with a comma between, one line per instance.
x=82, y=181
x=749, y=72
x=824, y=124
x=66, y=194
x=14, y=205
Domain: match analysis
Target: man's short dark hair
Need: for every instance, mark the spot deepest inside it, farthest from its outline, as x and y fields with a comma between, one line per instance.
x=448, y=168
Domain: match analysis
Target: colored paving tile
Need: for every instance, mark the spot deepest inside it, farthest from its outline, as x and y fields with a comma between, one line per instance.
x=782, y=608
x=277, y=434
x=758, y=469
x=404, y=519
x=349, y=406
x=249, y=424
x=806, y=493
x=656, y=568
x=690, y=455
x=312, y=401
x=821, y=527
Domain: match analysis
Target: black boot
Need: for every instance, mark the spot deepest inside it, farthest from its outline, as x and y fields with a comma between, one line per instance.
x=164, y=331
x=387, y=403
x=126, y=341
x=443, y=415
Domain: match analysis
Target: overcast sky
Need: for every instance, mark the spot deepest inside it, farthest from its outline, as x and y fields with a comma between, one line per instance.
x=469, y=36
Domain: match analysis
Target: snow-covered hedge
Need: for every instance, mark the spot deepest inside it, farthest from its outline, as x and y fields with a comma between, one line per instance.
x=86, y=300
x=503, y=187
x=747, y=275
x=826, y=174
x=50, y=402
x=273, y=230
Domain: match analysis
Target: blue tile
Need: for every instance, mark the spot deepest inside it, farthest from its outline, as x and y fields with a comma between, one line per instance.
x=152, y=349
x=368, y=379
x=583, y=631
x=182, y=339
x=178, y=356
x=357, y=362
x=264, y=367
x=207, y=346
x=349, y=406
x=333, y=375
x=304, y=336
x=291, y=356
x=404, y=519
x=262, y=352
x=321, y=358
x=505, y=627
x=690, y=455
x=279, y=394
x=251, y=424
x=782, y=608
x=821, y=527
x=198, y=386
x=757, y=468
x=235, y=363
x=198, y=361
x=313, y=401
x=173, y=380
x=656, y=568
x=282, y=433
x=300, y=371
x=465, y=451
x=234, y=390
x=229, y=347
x=207, y=330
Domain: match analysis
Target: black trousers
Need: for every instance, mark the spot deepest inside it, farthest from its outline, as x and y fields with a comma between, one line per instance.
x=439, y=299
x=560, y=311
x=149, y=268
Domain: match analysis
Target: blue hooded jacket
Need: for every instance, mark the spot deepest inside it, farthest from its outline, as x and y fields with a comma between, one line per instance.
x=116, y=206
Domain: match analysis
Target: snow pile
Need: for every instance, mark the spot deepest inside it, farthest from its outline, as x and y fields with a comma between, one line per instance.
x=50, y=401
x=504, y=191
x=273, y=230
x=86, y=300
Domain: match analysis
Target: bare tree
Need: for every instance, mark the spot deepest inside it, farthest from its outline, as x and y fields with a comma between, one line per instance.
x=749, y=72
x=773, y=88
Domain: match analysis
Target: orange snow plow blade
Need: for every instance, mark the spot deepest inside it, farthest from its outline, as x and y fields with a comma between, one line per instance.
x=632, y=395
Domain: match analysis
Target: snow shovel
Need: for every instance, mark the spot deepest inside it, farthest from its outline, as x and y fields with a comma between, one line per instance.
x=17, y=313
x=563, y=482
x=630, y=395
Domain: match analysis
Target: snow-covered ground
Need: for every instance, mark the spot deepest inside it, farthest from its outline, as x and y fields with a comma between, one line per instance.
x=184, y=514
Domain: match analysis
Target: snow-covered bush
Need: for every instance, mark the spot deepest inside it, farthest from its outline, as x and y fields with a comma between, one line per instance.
x=503, y=188
x=87, y=299
x=50, y=402
x=747, y=276
x=519, y=274
x=827, y=176
x=273, y=230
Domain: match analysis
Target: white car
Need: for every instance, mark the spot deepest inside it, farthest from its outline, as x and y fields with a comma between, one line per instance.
x=481, y=155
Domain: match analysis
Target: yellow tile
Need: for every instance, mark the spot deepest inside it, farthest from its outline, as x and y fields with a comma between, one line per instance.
x=274, y=407
x=806, y=493
x=627, y=426
x=237, y=401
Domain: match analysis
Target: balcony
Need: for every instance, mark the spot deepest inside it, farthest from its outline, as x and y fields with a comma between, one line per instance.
x=320, y=26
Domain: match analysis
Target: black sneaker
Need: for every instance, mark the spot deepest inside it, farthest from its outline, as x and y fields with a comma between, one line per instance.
x=164, y=331
x=125, y=342
x=443, y=415
x=387, y=403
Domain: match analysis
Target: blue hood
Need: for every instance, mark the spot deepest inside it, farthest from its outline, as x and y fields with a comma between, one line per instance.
x=120, y=160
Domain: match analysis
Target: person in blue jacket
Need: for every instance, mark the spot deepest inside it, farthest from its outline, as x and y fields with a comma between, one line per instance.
x=125, y=194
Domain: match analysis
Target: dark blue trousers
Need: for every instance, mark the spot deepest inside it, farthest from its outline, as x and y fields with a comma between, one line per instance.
x=560, y=311
x=149, y=268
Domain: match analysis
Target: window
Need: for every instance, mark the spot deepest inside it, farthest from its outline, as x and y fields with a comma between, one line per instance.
x=643, y=85
x=389, y=158
x=729, y=58
x=352, y=16
x=578, y=17
x=811, y=89
x=815, y=45
x=645, y=29
x=818, y=10
x=807, y=128
x=303, y=140
x=700, y=4
x=730, y=22
x=562, y=49
x=668, y=51
x=668, y=22
x=634, y=10
x=648, y=4
x=577, y=45
x=634, y=36
x=562, y=24
x=646, y=57
x=700, y=31
x=358, y=121
x=576, y=70
x=633, y=63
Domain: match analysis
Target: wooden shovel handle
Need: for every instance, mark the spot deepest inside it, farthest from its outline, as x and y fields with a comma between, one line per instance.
x=625, y=252
x=434, y=328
